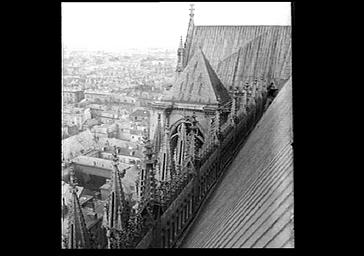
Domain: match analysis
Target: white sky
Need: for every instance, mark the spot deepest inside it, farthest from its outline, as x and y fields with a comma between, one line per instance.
x=117, y=26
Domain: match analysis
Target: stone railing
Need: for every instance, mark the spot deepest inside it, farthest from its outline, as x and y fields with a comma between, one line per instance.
x=214, y=160
x=169, y=211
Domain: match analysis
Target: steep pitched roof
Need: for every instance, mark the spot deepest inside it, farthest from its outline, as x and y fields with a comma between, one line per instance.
x=198, y=84
x=253, y=204
x=268, y=54
x=219, y=42
x=74, y=144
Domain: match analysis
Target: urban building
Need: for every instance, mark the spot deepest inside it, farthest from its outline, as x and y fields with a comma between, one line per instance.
x=140, y=115
x=71, y=95
x=75, y=116
x=98, y=96
x=69, y=130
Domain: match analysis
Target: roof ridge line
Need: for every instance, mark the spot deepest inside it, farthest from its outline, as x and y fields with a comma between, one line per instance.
x=210, y=69
x=207, y=71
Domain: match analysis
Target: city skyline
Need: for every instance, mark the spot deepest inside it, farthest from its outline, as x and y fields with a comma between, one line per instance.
x=121, y=26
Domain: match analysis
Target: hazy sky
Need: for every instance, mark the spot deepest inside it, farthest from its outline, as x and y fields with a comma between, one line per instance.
x=116, y=26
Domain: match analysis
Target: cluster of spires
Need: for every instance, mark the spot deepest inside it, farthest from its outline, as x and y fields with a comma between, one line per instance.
x=120, y=221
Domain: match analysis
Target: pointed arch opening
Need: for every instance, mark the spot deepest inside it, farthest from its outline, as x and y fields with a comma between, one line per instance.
x=180, y=135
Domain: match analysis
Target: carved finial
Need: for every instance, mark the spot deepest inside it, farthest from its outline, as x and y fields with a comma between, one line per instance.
x=148, y=152
x=166, y=124
x=180, y=43
x=73, y=181
x=194, y=121
x=191, y=9
x=119, y=225
x=115, y=156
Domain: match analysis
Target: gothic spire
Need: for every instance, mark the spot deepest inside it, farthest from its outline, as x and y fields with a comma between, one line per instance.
x=169, y=163
x=233, y=112
x=217, y=124
x=191, y=11
x=193, y=142
x=211, y=133
x=180, y=57
x=254, y=89
x=78, y=236
x=147, y=175
x=242, y=107
x=188, y=41
x=259, y=89
x=182, y=150
x=158, y=136
x=251, y=96
x=116, y=205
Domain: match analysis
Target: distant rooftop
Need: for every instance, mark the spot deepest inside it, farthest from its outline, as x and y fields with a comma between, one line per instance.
x=106, y=92
x=98, y=162
x=71, y=89
x=140, y=112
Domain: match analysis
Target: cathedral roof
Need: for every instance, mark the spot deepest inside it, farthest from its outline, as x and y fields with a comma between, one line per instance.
x=237, y=53
x=219, y=42
x=268, y=55
x=254, y=207
x=198, y=84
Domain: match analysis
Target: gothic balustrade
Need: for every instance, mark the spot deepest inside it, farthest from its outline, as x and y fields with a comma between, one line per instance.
x=177, y=196
x=207, y=151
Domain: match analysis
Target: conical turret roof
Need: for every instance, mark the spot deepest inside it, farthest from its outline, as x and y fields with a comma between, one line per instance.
x=198, y=84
